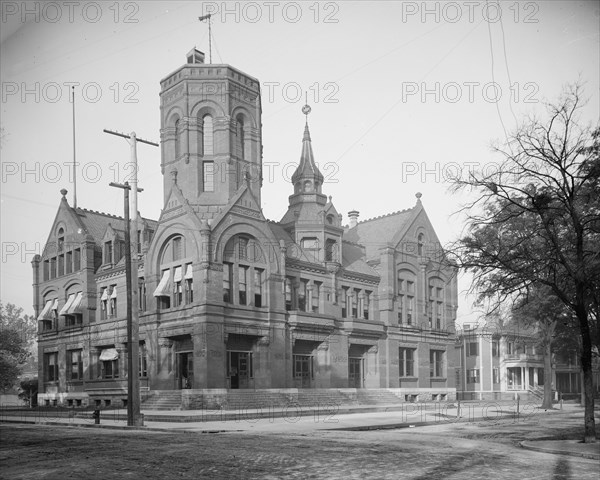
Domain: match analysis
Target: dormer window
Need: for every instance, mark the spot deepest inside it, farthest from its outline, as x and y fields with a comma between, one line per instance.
x=108, y=252
x=420, y=242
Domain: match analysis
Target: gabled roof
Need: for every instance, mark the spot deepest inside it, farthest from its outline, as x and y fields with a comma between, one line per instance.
x=353, y=259
x=378, y=232
x=96, y=223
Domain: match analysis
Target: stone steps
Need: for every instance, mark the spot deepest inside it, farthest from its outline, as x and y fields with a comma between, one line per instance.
x=163, y=400
x=260, y=399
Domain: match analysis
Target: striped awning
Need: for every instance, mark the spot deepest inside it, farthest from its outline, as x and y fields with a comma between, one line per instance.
x=76, y=307
x=188, y=273
x=65, y=309
x=177, y=275
x=163, y=289
x=46, y=313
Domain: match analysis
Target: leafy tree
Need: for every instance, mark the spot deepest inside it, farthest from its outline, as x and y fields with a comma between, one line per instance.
x=535, y=221
x=543, y=313
x=28, y=391
x=17, y=333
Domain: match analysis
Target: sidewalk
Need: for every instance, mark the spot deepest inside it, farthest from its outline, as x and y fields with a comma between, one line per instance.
x=564, y=447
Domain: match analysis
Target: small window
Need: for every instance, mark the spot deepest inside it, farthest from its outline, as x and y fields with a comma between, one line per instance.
x=473, y=375
x=108, y=253
x=227, y=279
x=53, y=268
x=302, y=295
x=207, y=136
x=74, y=365
x=330, y=250
x=406, y=362
x=142, y=294
x=76, y=260
x=436, y=363
x=242, y=283
x=258, y=287
x=208, y=176
x=288, y=294
x=316, y=296
x=69, y=263
x=472, y=349
x=61, y=239
x=242, y=248
x=51, y=364
x=177, y=252
x=189, y=284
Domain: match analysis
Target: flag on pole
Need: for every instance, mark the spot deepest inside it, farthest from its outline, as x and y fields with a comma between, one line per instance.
x=205, y=17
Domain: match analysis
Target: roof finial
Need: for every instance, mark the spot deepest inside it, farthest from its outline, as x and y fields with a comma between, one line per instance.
x=306, y=110
x=418, y=195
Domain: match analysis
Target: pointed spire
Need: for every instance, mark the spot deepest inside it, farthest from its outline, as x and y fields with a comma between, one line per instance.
x=307, y=170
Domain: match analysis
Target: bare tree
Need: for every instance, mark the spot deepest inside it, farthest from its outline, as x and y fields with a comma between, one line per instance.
x=535, y=221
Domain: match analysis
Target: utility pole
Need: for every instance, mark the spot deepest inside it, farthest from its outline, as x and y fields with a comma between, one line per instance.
x=133, y=384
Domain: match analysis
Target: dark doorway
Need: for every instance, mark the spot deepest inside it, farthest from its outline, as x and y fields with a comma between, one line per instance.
x=239, y=369
x=355, y=372
x=185, y=370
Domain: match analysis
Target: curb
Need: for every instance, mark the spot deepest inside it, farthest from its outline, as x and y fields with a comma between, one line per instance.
x=115, y=427
x=530, y=445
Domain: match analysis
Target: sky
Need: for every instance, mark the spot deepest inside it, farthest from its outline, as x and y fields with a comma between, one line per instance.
x=402, y=94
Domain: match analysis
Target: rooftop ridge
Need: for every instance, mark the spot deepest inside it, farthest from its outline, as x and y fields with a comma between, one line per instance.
x=353, y=243
x=385, y=215
x=111, y=215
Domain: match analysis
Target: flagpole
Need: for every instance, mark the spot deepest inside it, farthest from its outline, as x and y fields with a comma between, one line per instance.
x=207, y=17
x=74, y=154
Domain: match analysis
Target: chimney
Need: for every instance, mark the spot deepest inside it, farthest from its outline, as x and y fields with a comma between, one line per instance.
x=353, y=216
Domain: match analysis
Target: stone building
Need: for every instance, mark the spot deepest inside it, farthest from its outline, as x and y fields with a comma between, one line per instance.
x=230, y=300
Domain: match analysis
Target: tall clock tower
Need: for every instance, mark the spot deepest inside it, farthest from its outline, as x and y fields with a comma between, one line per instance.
x=210, y=132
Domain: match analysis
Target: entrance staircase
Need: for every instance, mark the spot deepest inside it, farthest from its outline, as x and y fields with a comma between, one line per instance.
x=268, y=398
x=163, y=400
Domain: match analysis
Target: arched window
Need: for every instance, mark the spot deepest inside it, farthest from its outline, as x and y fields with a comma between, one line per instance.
x=207, y=135
x=239, y=138
x=61, y=239
x=177, y=142
x=420, y=242
x=244, y=272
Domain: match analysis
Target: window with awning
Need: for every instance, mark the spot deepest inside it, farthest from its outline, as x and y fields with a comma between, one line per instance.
x=67, y=306
x=110, y=363
x=188, y=273
x=163, y=289
x=46, y=313
x=109, y=354
x=76, y=307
